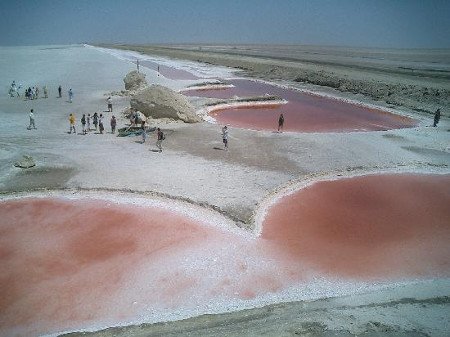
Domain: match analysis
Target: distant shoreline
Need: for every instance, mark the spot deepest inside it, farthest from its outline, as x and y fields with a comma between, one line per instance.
x=407, y=79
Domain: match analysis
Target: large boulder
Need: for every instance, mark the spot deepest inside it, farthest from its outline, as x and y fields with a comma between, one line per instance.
x=157, y=101
x=134, y=80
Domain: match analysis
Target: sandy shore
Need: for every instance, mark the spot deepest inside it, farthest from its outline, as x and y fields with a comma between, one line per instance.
x=236, y=183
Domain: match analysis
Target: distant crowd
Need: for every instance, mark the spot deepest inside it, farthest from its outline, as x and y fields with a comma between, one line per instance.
x=33, y=92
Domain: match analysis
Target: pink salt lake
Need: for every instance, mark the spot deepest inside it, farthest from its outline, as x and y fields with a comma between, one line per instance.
x=68, y=265
x=303, y=112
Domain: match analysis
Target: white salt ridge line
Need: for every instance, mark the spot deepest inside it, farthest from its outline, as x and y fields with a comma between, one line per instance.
x=204, y=112
x=207, y=217
x=207, y=87
x=296, y=185
x=196, y=68
x=319, y=288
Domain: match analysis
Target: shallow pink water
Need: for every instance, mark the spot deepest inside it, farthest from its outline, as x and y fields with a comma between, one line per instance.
x=73, y=264
x=368, y=227
x=303, y=112
x=170, y=72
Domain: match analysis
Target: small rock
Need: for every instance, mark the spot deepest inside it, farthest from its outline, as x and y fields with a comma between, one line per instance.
x=25, y=162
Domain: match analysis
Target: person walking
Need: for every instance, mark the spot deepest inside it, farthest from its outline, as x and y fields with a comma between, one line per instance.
x=225, y=137
x=113, y=124
x=70, y=95
x=109, y=101
x=72, y=123
x=437, y=117
x=280, y=123
x=83, y=124
x=160, y=137
x=100, y=124
x=32, y=125
x=59, y=92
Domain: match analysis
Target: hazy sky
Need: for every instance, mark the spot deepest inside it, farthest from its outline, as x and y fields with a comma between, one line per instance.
x=377, y=23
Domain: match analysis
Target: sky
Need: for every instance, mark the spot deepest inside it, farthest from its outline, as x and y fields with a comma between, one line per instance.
x=359, y=23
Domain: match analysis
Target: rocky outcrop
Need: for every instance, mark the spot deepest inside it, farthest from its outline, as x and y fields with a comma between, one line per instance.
x=25, y=162
x=160, y=102
x=134, y=80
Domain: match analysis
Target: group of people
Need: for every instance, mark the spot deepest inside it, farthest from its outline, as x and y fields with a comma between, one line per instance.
x=30, y=93
x=33, y=92
x=97, y=121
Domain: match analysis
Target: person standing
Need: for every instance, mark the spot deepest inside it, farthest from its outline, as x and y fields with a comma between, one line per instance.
x=144, y=132
x=70, y=95
x=37, y=92
x=160, y=137
x=280, y=123
x=45, y=92
x=95, y=120
x=137, y=65
x=83, y=124
x=100, y=124
x=59, y=92
x=88, y=122
x=437, y=117
x=72, y=123
x=109, y=101
x=225, y=137
x=113, y=124
x=32, y=125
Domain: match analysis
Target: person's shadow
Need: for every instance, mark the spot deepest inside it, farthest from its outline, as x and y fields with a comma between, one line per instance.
x=217, y=148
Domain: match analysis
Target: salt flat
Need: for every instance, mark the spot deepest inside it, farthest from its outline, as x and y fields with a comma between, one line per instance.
x=235, y=183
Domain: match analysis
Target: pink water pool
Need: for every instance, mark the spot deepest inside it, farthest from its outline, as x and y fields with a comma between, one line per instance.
x=75, y=264
x=303, y=112
x=367, y=227
x=169, y=72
